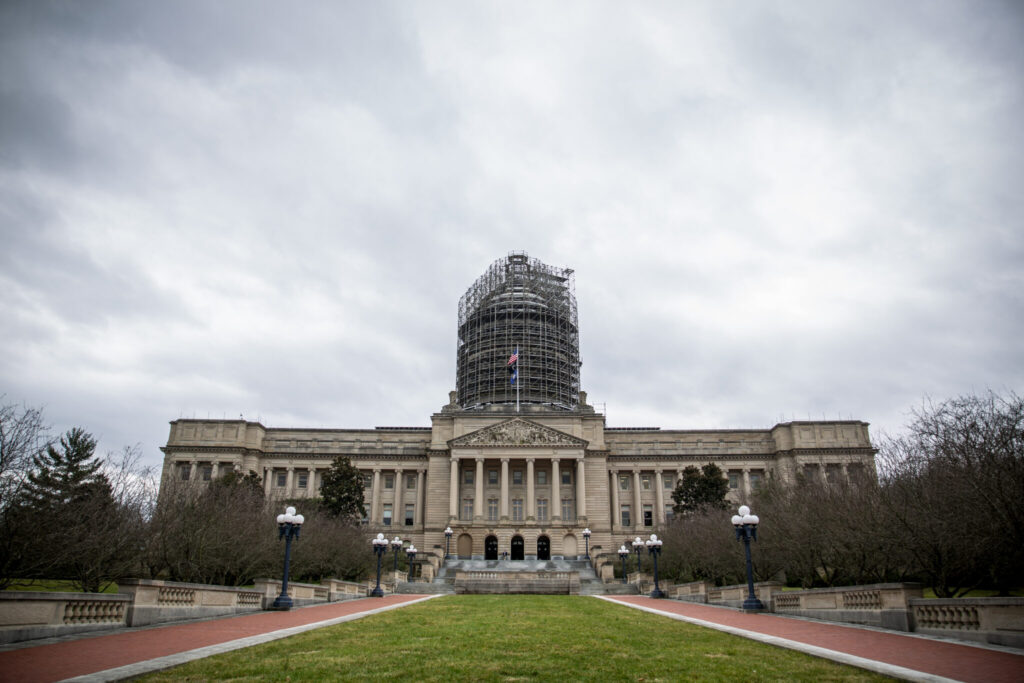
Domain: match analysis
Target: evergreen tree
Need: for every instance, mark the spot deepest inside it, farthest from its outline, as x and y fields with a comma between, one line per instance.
x=342, y=490
x=65, y=475
x=700, y=490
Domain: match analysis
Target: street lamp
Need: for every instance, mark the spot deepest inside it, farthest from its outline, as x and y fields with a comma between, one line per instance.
x=288, y=526
x=410, y=552
x=380, y=546
x=654, y=548
x=638, y=545
x=586, y=541
x=447, y=540
x=746, y=530
x=623, y=554
x=396, y=545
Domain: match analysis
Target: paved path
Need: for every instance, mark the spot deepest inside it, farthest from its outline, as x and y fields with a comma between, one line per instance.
x=133, y=652
x=889, y=652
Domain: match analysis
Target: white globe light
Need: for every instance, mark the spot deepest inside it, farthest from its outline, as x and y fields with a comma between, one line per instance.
x=654, y=537
x=289, y=511
x=380, y=537
x=744, y=510
x=298, y=519
x=750, y=519
x=737, y=520
x=280, y=519
x=288, y=517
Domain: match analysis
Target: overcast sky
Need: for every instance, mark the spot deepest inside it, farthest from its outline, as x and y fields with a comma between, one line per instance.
x=775, y=210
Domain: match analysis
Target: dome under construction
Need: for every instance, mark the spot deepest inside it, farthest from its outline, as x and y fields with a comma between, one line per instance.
x=519, y=304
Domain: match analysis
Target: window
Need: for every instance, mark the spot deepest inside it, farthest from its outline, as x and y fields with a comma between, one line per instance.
x=303, y=480
x=626, y=521
x=734, y=480
x=566, y=477
x=834, y=473
x=367, y=481
x=410, y=514
x=624, y=482
x=670, y=481
x=207, y=472
x=467, y=508
x=410, y=481
x=492, y=477
x=492, y=509
x=542, y=478
x=389, y=481
x=517, y=477
x=669, y=512
x=567, y=509
x=467, y=477
x=282, y=479
x=645, y=482
x=755, y=481
x=387, y=514
x=517, y=509
x=184, y=470
x=542, y=509
x=648, y=515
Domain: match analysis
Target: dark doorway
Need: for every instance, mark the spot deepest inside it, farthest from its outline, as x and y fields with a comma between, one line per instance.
x=543, y=548
x=517, y=547
x=491, y=548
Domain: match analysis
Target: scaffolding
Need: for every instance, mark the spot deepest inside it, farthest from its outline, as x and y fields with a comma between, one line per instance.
x=519, y=302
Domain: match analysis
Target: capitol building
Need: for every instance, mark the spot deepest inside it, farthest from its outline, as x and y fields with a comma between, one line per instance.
x=517, y=461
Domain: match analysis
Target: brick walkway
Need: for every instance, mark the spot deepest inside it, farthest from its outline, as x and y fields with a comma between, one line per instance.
x=140, y=647
x=889, y=652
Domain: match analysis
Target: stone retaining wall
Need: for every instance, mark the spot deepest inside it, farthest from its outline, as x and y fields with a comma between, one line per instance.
x=300, y=593
x=156, y=602
x=552, y=583
x=885, y=605
x=999, y=621
x=26, y=615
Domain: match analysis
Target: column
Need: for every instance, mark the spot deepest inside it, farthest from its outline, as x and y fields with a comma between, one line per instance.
x=659, y=496
x=478, y=497
x=311, y=491
x=268, y=476
x=289, y=483
x=581, y=490
x=556, y=499
x=746, y=483
x=420, y=499
x=399, y=518
x=616, y=518
x=214, y=469
x=503, y=503
x=638, y=518
x=531, y=494
x=453, y=490
x=375, y=497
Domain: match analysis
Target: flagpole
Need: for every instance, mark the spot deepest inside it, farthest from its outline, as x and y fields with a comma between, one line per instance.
x=517, y=379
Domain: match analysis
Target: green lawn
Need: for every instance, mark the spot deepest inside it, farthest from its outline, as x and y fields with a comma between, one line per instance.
x=514, y=638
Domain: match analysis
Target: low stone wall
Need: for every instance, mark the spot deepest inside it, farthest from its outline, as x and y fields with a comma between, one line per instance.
x=156, y=602
x=341, y=590
x=26, y=615
x=885, y=605
x=300, y=593
x=604, y=567
x=552, y=583
x=999, y=621
x=733, y=596
x=695, y=591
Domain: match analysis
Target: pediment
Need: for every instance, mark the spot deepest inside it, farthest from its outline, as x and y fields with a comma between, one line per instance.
x=517, y=432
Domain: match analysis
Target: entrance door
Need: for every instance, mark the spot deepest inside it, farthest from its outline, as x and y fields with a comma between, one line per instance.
x=517, y=547
x=543, y=548
x=491, y=548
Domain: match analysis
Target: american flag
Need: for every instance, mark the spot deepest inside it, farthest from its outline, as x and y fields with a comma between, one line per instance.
x=515, y=357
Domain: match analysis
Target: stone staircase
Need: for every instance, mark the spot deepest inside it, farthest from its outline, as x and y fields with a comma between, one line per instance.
x=574, y=577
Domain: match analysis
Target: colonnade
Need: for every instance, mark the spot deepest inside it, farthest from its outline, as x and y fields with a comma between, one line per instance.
x=531, y=487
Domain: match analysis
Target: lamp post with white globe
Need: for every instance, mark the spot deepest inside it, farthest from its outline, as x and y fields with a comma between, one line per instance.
x=586, y=541
x=410, y=552
x=623, y=554
x=288, y=526
x=638, y=545
x=380, y=546
x=447, y=540
x=396, y=545
x=745, y=525
x=654, y=548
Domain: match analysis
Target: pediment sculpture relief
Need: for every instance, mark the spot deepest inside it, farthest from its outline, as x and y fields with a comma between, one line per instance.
x=518, y=432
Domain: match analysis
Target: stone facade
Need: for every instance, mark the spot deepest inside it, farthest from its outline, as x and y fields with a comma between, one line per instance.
x=530, y=481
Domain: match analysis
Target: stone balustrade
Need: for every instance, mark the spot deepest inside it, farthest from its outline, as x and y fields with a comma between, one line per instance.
x=884, y=605
x=343, y=590
x=156, y=602
x=517, y=582
x=300, y=593
x=733, y=596
x=26, y=615
x=695, y=591
x=999, y=621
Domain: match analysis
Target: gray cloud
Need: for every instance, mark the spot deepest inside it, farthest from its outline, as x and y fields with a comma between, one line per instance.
x=776, y=211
